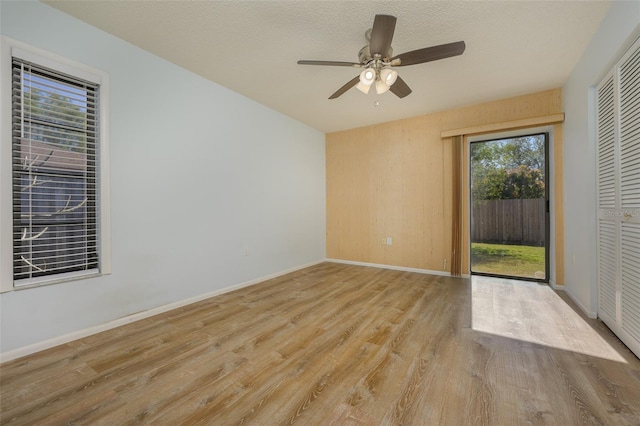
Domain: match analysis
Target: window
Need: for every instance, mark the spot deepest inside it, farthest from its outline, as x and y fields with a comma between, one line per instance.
x=58, y=225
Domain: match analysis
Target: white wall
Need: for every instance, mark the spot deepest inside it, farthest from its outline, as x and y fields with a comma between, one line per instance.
x=197, y=173
x=615, y=35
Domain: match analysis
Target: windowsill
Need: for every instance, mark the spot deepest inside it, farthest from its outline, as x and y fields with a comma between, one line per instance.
x=56, y=279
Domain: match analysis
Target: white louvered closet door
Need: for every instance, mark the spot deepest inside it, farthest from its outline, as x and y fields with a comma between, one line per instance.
x=629, y=75
x=608, y=295
x=618, y=132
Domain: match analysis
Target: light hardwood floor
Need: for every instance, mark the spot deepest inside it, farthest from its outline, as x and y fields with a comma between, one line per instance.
x=338, y=344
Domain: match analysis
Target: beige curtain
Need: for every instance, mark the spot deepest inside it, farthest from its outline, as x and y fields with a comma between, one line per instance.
x=456, y=234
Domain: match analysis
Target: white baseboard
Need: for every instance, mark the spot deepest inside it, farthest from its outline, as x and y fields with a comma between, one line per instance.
x=46, y=344
x=395, y=268
x=555, y=286
x=577, y=301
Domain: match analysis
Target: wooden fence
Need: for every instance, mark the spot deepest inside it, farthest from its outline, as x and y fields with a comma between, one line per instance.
x=509, y=221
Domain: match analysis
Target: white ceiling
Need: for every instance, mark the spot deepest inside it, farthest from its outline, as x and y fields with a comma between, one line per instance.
x=251, y=47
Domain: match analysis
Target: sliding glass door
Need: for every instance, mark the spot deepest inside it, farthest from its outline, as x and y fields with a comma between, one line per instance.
x=510, y=207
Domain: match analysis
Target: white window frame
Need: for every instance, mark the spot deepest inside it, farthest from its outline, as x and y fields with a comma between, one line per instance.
x=9, y=49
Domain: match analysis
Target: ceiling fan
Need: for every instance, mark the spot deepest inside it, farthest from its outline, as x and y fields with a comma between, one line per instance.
x=377, y=59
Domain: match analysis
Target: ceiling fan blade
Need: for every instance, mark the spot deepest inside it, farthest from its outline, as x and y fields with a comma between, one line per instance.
x=429, y=54
x=330, y=63
x=346, y=87
x=382, y=34
x=400, y=88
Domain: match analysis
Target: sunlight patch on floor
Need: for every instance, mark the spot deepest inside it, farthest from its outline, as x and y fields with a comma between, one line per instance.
x=534, y=313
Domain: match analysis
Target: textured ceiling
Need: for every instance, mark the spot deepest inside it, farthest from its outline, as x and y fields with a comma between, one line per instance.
x=251, y=47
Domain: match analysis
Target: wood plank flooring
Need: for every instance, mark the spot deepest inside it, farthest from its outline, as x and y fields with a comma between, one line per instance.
x=339, y=344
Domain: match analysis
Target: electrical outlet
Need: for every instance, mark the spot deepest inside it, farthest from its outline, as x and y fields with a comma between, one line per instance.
x=245, y=251
x=444, y=264
x=389, y=241
x=384, y=241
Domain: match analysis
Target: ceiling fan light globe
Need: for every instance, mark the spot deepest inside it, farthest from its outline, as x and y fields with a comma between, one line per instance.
x=367, y=77
x=381, y=87
x=388, y=76
x=364, y=88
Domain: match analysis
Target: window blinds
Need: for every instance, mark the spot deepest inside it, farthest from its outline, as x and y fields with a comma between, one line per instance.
x=54, y=138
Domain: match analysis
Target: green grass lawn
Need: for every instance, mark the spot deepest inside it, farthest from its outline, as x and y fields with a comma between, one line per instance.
x=520, y=261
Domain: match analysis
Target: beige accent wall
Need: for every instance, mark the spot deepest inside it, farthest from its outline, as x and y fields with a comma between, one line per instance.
x=394, y=180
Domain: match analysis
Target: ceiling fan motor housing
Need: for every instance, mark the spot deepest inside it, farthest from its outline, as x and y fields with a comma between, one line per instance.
x=365, y=56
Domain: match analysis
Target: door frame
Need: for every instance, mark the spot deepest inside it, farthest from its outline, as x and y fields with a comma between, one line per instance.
x=548, y=135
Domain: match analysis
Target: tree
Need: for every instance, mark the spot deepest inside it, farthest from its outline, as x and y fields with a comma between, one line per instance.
x=508, y=168
x=527, y=150
x=489, y=184
x=524, y=182
x=56, y=119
